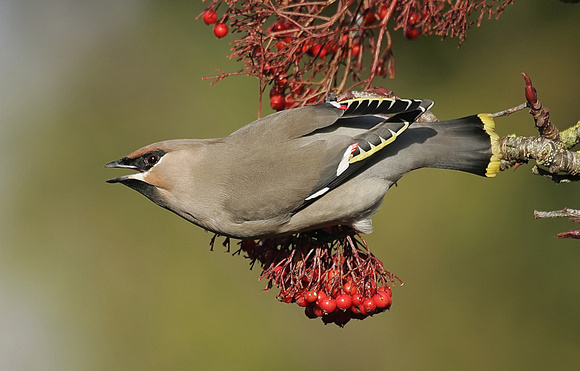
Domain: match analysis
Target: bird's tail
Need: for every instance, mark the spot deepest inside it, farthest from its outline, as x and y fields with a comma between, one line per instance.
x=467, y=144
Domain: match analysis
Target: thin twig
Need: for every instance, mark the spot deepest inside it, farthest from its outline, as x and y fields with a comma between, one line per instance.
x=564, y=213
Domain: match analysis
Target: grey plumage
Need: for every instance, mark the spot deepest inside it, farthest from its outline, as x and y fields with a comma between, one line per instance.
x=306, y=168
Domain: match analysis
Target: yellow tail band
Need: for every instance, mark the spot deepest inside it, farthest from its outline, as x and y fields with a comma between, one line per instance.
x=489, y=127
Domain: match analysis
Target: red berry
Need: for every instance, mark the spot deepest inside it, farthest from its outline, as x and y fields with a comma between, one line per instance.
x=317, y=50
x=370, y=17
x=300, y=300
x=357, y=313
x=355, y=49
x=368, y=306
x=383, y=10
x=333, y=47
x=268, y=68
x=327, y=304
x=349, y=288
x=290, y=101
x=306, y=46
x=288, y=299
x=310, y=94
x=220, y=30
x=411, y=33
x=296, y=88
x=321, y=295
x=277, y=102
x=382, y=300
x=413, y=18
x=279, y=25
x=356, y=299
x=281, y=81
x=311, y=296
x=387, y=290
x=316, y=309
x=258, y=50
x=343, y=301
x=209, y=16
x=280, y=45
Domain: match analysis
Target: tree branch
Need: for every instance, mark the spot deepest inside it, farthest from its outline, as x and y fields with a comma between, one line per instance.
x=551, y=149
x=574, y=216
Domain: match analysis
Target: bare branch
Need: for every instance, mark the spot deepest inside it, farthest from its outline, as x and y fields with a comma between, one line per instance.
x=509, y=111
x=564, y=213
x=573, y=214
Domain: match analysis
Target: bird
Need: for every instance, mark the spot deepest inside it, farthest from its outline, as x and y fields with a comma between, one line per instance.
x=307, y=168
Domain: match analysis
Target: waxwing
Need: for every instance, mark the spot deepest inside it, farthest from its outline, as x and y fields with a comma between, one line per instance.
x=306, y=168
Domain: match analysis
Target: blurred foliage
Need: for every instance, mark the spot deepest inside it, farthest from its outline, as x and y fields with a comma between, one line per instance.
x=96, y=277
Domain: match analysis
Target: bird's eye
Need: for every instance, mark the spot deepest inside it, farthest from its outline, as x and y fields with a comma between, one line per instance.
x=152, y=159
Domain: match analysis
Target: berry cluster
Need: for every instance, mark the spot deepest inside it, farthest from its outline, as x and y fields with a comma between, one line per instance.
x=290, y=90
x=330, y=272
x=301, y=50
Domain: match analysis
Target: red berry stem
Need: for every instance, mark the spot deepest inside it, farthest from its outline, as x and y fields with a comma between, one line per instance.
x=327, y=48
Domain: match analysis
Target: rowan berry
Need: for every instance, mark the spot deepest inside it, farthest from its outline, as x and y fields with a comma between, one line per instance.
x=413, y=18
x=220, y=30
x=382, y=300
x=327, y=304
x=368, y=306
x=210, y=16
x=411, y=32
x=311, y=296
x=277, y=102
x=356, y=299
x=386, y=289
x=383, y=11
x=343, y=301
x=369, y=17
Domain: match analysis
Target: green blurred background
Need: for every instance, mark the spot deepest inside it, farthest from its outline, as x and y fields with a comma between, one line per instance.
x=95, y=277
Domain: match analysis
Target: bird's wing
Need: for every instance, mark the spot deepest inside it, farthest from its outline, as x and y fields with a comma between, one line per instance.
x=282, y=163
x=364, y=145
x=298, y=122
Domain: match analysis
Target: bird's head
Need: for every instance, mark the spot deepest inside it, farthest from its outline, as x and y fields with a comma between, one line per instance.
x=161, y=168
x=176, y=175
x=147, y=161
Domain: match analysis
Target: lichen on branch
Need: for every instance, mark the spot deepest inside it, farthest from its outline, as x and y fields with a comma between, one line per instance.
x=550, y=154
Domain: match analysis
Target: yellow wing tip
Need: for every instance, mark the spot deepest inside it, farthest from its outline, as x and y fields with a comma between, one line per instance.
x=495, y=161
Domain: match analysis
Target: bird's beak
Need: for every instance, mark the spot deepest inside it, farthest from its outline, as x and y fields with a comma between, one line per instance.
x=123, y=164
